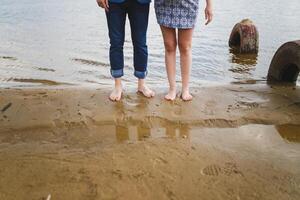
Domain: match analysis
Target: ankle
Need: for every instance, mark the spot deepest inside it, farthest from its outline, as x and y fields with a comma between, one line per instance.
x=141, y=83
x=118, y=83
x=185, y=89
x=172, y=88
x=172, y=85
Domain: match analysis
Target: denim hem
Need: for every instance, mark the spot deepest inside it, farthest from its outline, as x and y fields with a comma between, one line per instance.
x=116, y=73
x=140, y=75
x=139, y=1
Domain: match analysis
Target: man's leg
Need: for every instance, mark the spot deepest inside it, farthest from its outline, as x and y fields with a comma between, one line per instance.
x=116, y=17
x=138, y=15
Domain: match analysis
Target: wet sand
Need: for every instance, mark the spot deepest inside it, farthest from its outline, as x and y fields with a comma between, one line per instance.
x=239, y=141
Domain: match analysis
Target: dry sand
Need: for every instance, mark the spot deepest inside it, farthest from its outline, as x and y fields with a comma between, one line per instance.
x=239, y=141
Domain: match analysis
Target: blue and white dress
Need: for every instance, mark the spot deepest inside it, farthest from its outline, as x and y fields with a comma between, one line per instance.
x=180, y=14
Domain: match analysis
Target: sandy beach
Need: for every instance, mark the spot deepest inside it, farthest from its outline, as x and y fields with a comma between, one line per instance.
x=61, y=138
x=238, y=141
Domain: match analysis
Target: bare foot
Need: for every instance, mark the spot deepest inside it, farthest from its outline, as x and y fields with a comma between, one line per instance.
x=147, y=92
x=186, y=96
x=171, y=96
x=116, y=94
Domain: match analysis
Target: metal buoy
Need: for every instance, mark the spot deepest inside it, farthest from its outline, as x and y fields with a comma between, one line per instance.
x=285, y=65
x=244, y=37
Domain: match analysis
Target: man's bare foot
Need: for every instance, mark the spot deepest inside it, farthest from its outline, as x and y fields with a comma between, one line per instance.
x=144, y=90
x=147, y=92
x=116, y=94
x=186, y=96
x=171, y=96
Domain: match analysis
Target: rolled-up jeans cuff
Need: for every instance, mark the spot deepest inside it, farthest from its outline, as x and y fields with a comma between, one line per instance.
x=116, y=73
x=140, y=75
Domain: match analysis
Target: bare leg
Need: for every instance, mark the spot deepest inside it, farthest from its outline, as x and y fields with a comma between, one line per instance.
x=185, y=46
x=142, y=88
x=169, y=36
x=116, y=94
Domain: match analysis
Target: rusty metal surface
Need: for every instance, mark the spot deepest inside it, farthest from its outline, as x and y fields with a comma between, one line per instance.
x=285, y=65
x=248, y=37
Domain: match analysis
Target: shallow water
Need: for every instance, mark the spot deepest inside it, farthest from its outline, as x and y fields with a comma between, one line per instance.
x=284, y=134
x=58, y=42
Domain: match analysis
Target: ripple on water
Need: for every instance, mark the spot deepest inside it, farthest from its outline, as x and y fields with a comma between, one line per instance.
x=70, y=35
x=38, y=81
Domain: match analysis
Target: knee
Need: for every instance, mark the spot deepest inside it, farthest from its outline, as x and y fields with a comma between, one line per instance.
x=139, y=45
x=117, y=43
x=170, y=47
x=185, y=47
x=139, y=39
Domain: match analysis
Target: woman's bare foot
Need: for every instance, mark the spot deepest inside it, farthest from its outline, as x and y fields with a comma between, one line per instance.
x=116, y=94
x=171, y=96
x=186, y=96
x=144, y=90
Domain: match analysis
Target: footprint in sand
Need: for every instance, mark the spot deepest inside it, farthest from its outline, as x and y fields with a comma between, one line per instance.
x=214, y=170
x=137, y=101
x=230, y=168
x=211, y=170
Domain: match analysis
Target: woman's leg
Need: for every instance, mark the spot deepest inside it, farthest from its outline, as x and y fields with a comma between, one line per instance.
x=169, y=36
x=138, y=15
x=185, y=49
x=116, y=17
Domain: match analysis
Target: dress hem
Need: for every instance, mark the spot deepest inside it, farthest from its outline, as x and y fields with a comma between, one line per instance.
x=179, y=27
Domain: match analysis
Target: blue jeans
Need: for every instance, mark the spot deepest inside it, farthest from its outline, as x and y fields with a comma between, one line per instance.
x=138, y=15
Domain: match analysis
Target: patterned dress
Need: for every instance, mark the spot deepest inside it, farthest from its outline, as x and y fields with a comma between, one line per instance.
x=180, y=14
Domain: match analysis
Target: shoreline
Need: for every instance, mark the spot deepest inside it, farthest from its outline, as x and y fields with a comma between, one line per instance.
x=215, y=106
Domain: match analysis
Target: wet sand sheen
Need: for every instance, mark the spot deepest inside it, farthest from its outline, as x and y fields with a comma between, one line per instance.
x=106, y=163
x=73, y=143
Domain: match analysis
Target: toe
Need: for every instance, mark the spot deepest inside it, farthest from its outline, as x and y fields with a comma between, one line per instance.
x=119, y=96
x=169, y=97
x=187, y=97
x=147, y=93
x=111, y=98
x=152, y=94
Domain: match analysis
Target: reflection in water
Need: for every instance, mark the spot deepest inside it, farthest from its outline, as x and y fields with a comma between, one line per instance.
x=143, y=131
x=242, y=63
x=184, y=131
x=122, y=133
x=171, y=131
x=289, y=132
x=118, y=109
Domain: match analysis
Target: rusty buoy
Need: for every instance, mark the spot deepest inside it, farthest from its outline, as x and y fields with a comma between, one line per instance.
x=244, y=37
x=285, y=65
